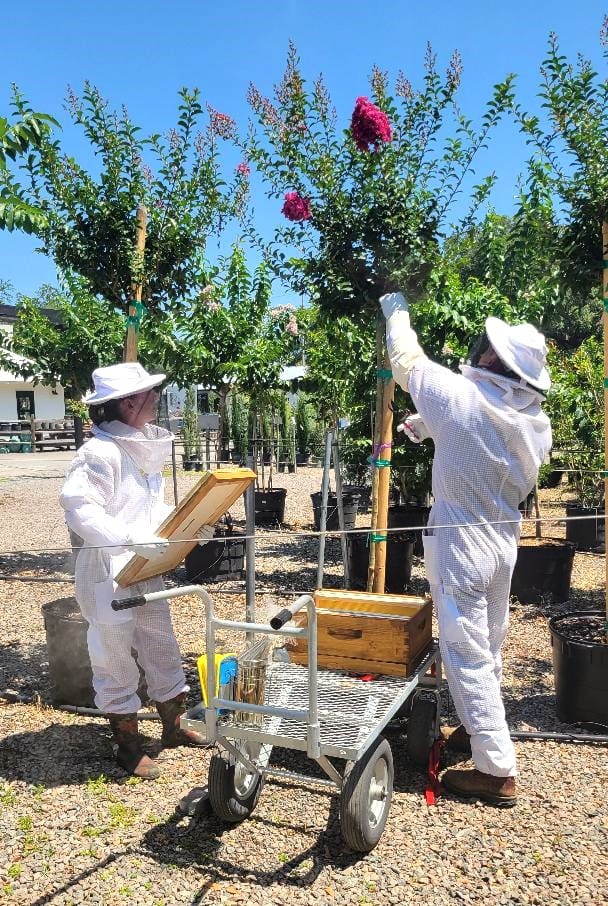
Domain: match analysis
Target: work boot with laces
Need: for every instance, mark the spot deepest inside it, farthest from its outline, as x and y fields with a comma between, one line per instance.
x=130, y=755
x=173, y=735
x=456, y=739
x=474, y=784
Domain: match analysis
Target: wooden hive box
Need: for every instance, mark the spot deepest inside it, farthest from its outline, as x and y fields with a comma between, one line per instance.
x=364, y=632
x=203, y=504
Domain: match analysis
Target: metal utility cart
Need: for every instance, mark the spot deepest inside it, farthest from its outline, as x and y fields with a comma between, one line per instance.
x=325, y=713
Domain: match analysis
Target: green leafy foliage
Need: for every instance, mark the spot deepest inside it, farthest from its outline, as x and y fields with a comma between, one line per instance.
x=573, y=141
x=576, y=408
x=375, y=216
x=27, y=130
x=87, y=222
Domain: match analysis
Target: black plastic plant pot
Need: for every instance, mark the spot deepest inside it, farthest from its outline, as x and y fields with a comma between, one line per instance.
x=406, y=514
x=587, y=533
x=363, y=492
x=399, y=555
x=350, y=504
x=223, y=557
x=270, y=506
x=543, y=570
x=580, y=667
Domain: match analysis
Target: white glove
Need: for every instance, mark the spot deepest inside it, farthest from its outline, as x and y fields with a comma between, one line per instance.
x=393, y=302
x=205, y=534
x=414, y=429
x=150, y=546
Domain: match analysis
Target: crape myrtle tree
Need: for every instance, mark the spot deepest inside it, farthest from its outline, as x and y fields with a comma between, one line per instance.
x=88, y=223
x=365, y=206
x=227, y=336
x=570, y=141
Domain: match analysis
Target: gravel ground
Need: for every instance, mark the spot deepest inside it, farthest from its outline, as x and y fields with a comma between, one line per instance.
x=77, y=830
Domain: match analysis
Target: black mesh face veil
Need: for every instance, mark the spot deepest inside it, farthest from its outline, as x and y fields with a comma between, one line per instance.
x=481, y=345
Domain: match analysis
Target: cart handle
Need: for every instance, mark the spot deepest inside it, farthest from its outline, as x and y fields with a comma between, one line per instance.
x=285, y=615
x=128, y=603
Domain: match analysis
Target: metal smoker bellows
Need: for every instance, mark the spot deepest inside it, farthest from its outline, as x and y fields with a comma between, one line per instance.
x=251, y=681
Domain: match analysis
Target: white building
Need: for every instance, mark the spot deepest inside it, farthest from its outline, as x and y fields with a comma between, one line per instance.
x=19, y=398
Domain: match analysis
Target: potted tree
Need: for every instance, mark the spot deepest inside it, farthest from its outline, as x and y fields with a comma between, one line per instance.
x=575, y=146
x=304, y=429
x=543, y=568
x=576, y=405
x=190, y=430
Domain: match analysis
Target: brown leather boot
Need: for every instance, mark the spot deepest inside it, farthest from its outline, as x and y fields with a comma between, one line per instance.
x=456, y=739
x=130, y=754
x=173, y=735
x=475, y=784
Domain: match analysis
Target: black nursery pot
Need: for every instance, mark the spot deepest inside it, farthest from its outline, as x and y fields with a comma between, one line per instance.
x=405, y=514
x=588, y=534
x=399, y=554
x=543, y=570
x=350, y=503
x=270, y=506
x=580, y=668
x=223, y=557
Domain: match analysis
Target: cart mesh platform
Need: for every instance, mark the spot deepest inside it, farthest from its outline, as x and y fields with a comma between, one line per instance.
x=352, y=712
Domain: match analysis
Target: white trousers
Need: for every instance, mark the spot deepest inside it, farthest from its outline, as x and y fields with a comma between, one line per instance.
x=148, y=629
x=472, y=629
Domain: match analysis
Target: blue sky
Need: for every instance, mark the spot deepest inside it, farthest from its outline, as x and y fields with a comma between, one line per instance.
x=140, y=53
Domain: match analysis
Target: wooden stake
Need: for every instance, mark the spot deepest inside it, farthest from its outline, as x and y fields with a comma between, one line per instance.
x=383, y=438
x=130, y=353
x=605, y=326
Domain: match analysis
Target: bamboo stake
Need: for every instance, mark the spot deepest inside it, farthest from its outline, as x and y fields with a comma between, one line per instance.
x=383, y=438
x=605, y=329
x=130, y=352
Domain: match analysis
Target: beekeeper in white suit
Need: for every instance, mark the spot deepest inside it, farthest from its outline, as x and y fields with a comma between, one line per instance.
x=113, y=497
x=491, y=436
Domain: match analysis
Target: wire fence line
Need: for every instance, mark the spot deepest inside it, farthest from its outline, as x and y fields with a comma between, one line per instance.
x=272, y=534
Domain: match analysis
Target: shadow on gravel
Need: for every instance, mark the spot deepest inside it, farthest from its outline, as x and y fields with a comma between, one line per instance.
x=23, y=668
x=200, y=848
x=57, y=754
x=580, y=599
x=199, y=845
x=36, y=563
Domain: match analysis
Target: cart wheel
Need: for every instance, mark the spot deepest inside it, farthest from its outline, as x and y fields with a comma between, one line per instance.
x=421, y=732
x=366, y=796
x=233, y=789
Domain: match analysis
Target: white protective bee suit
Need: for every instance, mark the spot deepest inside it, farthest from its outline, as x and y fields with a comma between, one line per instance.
x=490, y=437
x=112, y=495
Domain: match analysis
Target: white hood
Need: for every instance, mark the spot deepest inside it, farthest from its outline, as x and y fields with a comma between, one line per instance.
x=501, y=391
x=149, y=448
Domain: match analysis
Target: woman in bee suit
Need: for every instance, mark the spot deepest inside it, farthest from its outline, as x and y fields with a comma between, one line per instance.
x=491, y=436
x=113, y=497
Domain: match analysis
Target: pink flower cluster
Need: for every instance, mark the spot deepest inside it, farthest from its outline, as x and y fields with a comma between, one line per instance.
x=292, y=326
x=369, y=125
x=295, y=207
x=243, y=169
x=221, y=124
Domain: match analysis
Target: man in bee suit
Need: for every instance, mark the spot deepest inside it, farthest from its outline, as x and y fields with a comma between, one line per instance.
x=491, y=436
x=113, y=497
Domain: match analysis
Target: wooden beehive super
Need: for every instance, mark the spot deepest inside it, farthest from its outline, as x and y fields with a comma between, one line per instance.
x=364, y=632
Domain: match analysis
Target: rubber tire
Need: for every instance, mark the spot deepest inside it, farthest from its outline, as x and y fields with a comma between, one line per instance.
x=223, y=797
x=357, y=832
x=421, y=730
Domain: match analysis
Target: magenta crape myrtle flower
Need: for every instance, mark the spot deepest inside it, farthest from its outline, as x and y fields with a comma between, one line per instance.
x=369, y=125
x=295, y=207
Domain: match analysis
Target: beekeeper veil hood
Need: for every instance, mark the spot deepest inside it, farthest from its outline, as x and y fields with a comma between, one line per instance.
x=522, y=349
